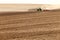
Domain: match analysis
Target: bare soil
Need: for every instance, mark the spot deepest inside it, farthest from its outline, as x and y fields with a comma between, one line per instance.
x=30, y=26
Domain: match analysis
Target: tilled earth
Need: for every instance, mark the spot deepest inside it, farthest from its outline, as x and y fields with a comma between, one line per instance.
x=30, y=26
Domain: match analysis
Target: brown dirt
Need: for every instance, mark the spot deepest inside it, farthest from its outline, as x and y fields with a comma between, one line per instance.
x=30, y=26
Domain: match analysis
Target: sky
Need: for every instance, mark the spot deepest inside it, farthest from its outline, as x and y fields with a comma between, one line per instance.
x=30, y=1
x=51, y=4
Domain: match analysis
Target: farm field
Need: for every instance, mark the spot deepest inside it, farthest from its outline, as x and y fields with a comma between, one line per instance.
x=30, y=25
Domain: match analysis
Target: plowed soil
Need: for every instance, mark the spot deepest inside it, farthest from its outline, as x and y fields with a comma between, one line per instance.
x=30, y=26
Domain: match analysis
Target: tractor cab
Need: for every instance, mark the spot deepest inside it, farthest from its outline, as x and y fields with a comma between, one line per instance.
x=39, y=9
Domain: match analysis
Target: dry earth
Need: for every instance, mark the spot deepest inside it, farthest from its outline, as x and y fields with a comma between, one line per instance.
x=30, y=26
